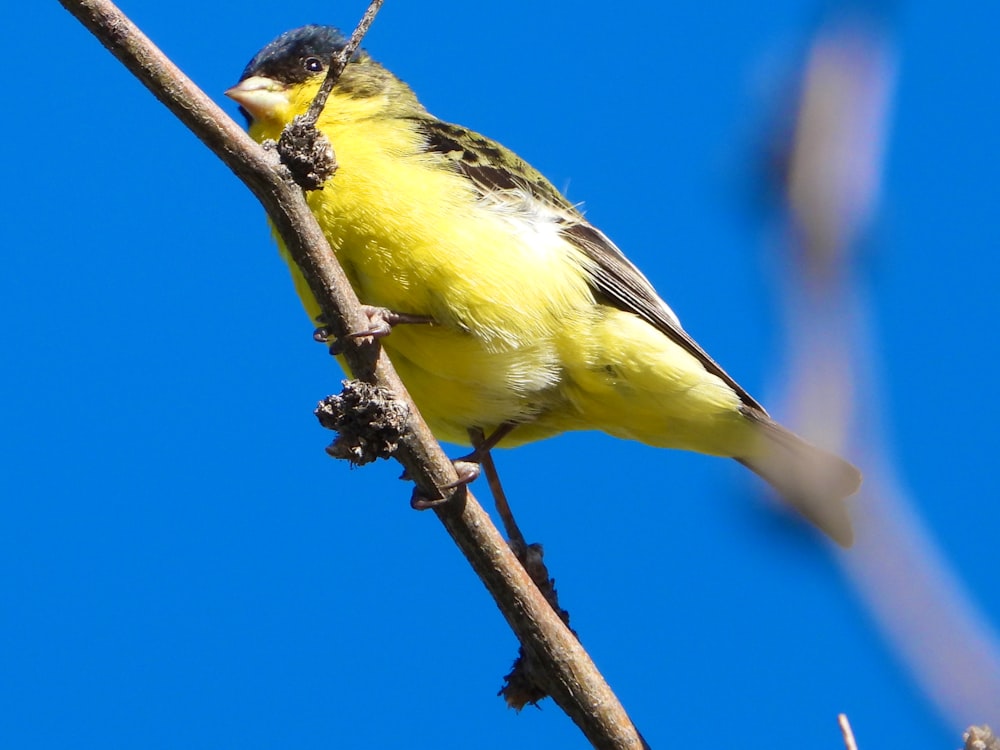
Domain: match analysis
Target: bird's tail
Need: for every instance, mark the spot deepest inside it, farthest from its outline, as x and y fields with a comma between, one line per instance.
x=814, y=481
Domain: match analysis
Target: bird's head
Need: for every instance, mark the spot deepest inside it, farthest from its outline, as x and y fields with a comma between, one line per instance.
x=282, y=79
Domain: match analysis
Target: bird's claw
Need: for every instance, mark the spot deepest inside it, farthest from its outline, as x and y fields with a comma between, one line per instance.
x=381, y=321
x=419, y=502
x=468, y=472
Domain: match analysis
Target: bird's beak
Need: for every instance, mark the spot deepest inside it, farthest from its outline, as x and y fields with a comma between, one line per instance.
x=261, y=97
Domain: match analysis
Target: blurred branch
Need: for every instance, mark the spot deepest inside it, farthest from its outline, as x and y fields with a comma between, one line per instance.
x=572, y=679
x=830, y=191
x=981, y=738
x=845, y=729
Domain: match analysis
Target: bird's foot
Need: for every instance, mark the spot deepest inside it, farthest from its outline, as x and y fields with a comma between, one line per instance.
x=381, y=321
x=468, y=472
x=468, y=467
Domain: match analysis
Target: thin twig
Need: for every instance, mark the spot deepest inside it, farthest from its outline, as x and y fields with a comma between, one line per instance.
x=574, y=682
x=339, y=62
x=845, y=728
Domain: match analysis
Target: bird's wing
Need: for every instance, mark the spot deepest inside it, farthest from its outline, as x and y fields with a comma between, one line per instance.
x=496, y=171
x=623, y=285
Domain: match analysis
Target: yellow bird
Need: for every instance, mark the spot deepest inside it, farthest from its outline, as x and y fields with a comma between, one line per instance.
x=540, y=323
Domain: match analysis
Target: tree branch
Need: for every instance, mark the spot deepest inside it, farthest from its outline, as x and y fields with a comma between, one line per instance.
x=574, y=682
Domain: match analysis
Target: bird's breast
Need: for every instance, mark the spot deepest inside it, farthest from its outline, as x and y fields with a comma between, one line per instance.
x=416, y=237
x=499, y=282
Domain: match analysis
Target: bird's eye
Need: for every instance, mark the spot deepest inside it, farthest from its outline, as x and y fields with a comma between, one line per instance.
x=313, y=64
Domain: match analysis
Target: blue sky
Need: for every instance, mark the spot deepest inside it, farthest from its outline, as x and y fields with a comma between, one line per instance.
x=181, y=565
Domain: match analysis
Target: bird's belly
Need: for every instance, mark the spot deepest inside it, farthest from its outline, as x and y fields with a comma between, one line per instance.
x=491, y=357
x=459, y=381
